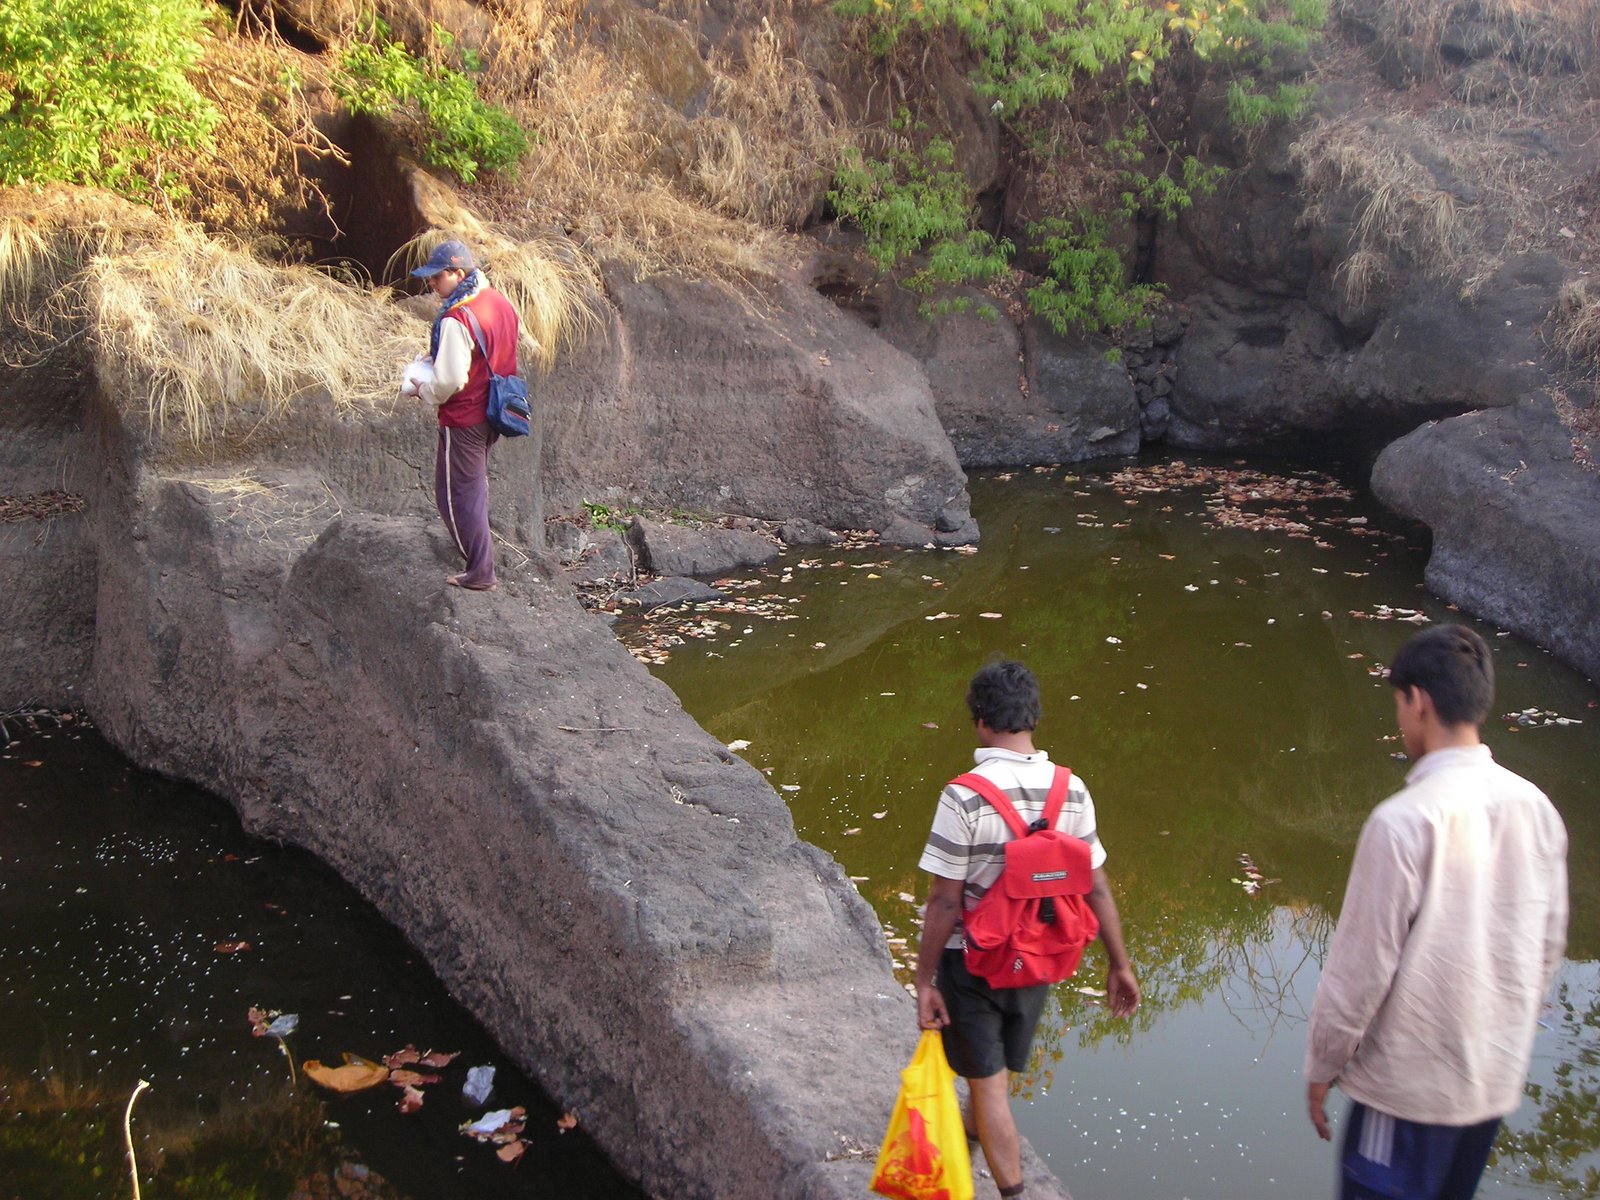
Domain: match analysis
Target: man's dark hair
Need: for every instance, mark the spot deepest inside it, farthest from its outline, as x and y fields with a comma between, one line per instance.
x=1004, y=695
x=1452, y=664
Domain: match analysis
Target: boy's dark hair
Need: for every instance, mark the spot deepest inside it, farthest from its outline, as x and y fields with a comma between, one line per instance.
x=1004, y=695
x=1452, y=664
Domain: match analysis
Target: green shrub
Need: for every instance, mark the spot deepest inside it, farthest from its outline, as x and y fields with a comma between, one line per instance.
x=1033, y=54
x=464, y=133
x=1032, y=51
x=1085, y=286
x=91, y=91
x=911, y=200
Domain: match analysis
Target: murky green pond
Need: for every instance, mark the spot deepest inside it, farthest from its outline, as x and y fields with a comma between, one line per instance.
x=138, y=927
x=1210, y=658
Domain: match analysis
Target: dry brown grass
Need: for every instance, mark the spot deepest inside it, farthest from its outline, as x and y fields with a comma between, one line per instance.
x=610, y=169
x=251, y=173
x=195, y=334
x=631, y=177
x=768, y=144
x=1545, y=38
x=47, y=237
x=210, y=342
x=1576, y=328
x=1451, y=188
x=1400, y=210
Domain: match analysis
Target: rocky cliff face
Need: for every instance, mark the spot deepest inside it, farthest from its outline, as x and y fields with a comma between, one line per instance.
x=622, y=902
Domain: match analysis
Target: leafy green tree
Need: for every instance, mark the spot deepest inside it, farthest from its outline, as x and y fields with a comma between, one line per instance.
x=463, y=132
x=911, y=198
x=1035, y=54
x=91, y=91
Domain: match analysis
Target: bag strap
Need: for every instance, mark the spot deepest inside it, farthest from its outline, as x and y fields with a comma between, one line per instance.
x=477, y=336
x=1057, y=799
x=1053, y=803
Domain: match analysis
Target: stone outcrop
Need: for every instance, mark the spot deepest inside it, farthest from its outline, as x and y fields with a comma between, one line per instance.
x=1512, y=513
x=47, y=566
x=623, y=903
x=685, y=550
x=775, y=407
x=1010, y=396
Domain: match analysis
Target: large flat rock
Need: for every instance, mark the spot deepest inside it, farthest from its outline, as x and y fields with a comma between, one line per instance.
x=774, y=405
x=1515, y=521
x=624, y=904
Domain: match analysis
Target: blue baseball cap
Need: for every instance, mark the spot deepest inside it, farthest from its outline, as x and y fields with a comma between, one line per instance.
x=446, y=256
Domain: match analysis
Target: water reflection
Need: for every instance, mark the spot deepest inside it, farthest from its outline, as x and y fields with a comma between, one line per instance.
x=1220, y=691
x=138, y=926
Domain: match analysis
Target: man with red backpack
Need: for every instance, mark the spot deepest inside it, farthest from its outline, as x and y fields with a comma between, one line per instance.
x=988, y=1029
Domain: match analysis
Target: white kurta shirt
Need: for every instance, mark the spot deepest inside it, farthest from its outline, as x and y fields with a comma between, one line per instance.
x=451, y=364
x=1454, y=923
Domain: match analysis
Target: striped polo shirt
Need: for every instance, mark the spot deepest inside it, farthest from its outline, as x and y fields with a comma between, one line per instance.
x=968, y=838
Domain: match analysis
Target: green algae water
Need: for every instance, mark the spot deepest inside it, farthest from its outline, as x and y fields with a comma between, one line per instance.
x=139, y=926
x=1210, y=641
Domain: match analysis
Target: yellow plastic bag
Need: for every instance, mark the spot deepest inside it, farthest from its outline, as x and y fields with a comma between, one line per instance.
x=924, y=1155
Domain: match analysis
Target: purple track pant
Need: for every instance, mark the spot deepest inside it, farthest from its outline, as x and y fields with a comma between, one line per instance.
x=461, y=488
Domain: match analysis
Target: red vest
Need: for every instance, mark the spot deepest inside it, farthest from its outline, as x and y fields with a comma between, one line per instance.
x=470, y=405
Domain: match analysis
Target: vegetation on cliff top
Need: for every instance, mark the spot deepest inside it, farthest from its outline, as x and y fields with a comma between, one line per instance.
x=619, y=135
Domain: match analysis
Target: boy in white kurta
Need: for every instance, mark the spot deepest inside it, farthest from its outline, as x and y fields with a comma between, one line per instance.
x=1453, y=925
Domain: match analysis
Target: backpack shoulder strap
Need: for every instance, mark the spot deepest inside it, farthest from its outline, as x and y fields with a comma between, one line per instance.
x=998, y=799
x=477, y=331
x=1057, y=799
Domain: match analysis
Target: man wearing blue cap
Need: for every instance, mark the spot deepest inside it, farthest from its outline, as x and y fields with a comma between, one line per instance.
x=459, y=390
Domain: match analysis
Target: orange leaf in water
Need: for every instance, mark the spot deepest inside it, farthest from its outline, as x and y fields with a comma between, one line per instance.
x=357, y=1074
x=567, y=1120
x=232, y=947
x=438, y=1058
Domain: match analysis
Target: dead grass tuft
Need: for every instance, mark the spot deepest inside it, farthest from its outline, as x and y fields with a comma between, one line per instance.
x=1400, y=211
x=1576, y=325
x=200, y=333
x=768, y=147
x=47, y=237
x=1543, y=39
x=634, y=179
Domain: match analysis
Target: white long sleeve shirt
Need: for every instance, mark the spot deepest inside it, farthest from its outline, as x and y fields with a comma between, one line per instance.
x=451, y=364
x=1454, y=923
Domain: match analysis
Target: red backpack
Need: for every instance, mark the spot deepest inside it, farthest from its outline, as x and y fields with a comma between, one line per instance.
x=1032, y=925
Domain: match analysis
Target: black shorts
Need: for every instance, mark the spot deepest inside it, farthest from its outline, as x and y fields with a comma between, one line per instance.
x=991, y=1029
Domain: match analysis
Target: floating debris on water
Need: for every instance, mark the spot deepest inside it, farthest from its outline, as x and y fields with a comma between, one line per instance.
x=1538, y=718
x=1383, y=612
x=1253, y=880
x=1287, y=498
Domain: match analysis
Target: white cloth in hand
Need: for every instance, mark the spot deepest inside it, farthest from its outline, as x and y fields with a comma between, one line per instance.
x=418, y=372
